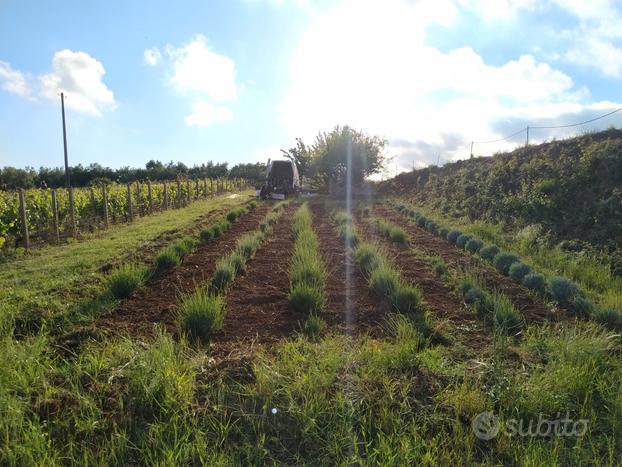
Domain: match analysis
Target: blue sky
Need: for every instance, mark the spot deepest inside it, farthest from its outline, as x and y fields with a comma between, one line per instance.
x=237, y=80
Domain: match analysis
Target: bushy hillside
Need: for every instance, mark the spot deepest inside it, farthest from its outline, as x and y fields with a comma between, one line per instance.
x=572, y=188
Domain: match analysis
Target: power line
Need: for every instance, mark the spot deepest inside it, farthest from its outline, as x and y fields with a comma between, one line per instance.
x=500, y=139
x=526, y=129
x=575, y=124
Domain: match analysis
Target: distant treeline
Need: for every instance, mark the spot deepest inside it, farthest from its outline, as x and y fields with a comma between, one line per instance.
x=12, y=178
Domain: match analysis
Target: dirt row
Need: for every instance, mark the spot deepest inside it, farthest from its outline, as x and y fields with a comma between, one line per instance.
x=351, y=306
x=531, y=307
x=257, y=306
x=439, y=298
x=158, y=301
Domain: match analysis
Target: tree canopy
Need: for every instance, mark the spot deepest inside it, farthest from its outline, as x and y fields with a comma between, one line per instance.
x=325, y=163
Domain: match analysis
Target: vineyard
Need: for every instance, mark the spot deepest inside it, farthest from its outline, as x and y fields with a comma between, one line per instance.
x=245, y=332
x=52, y=214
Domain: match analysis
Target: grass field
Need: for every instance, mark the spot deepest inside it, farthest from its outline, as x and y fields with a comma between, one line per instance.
x=298, y=333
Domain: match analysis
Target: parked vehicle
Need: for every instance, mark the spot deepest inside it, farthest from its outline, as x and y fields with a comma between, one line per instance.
x=282, y=180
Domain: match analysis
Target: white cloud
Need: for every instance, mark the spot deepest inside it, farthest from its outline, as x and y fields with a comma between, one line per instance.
x=597, y=40
x=80, y=76
x=600, y=53
x=201, y=75
x=367, y=65
x=498, y=9
x=152, y=56
x=204, y=113
x=196, y=68
x=13, y=81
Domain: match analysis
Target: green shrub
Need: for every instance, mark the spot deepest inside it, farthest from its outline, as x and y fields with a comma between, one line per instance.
x=238, y=262
x=184, y=246
x=217, y=229
x=431, y=227
x=248, y=245
x=406, y=299
x=438, y=266
x=474, y=295
x=453, y=236
x=397, y=235
x=506, y=319
x=503, y=261
x=342, y=217
x=207, y=235
x=167, y=259
x=383, y=281
x=313, y=325
x=518, y=271
x=127, y=278
x=609, y=318
x=202, y=314
x=306, y=299
x=473, y=245
x=562, y=290
x=443, y=233
x=488, y=253
x=252, y=205
x=348, y=235
x=535, y=281
x=235, y=214
x=413, y=214
x=582, y=307
x=366, y=211
x=308, y=270
x=462, y=240
x=223, y=276
x=421, y=221
x=367, y=257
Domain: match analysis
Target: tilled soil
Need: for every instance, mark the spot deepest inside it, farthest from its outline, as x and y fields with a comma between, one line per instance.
x=439, y=298
x=157, y=302
x=532, y=308
x=257, y=305
x=351, y=306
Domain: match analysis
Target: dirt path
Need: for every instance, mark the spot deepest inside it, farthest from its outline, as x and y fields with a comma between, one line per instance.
x=257, y=306
x=366, y=312
x=533, y=309
x=440, y=299
x=157, y=303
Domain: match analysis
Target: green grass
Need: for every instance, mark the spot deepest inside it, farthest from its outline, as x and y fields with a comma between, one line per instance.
x=168, y=258
x=125, y=279
x=392, y=232
x=492, y=307
x=313, y=326
x=201, y=314
x=307, y=271
x=383, y=281
x=306, y=299
x=223, y=277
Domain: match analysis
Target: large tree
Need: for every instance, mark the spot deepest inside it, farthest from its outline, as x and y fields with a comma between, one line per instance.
x=301, y=155
x=330, y=156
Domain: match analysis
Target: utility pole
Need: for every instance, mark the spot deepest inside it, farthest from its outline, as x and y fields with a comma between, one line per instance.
x=471, y=149
x=62, y=106
x=527, y=143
